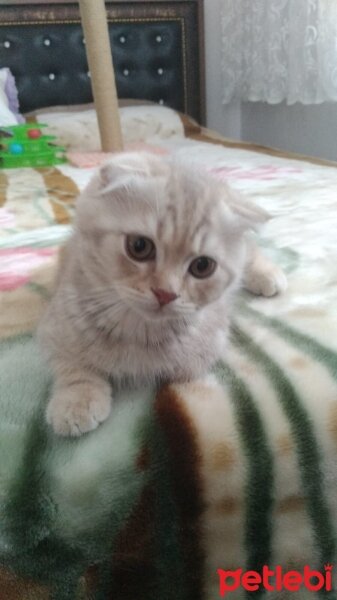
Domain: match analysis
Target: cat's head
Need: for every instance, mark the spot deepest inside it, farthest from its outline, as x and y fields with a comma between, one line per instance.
x=167, y=238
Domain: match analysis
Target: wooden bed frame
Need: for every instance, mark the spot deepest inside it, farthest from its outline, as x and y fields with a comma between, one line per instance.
x=158, y=52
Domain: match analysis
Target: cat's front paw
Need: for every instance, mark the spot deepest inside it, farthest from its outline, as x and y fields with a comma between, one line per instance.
x=266, y=282
x=78, y=408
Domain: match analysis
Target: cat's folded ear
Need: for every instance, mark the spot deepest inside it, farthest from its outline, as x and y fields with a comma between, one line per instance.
x=245, y=214
x=116, y=185
x=127, y=167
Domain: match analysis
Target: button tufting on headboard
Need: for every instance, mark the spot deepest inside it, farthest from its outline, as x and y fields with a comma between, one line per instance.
x=153, y=49
x=143, y=67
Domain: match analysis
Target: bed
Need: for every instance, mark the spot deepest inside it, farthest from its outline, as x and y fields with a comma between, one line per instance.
x=235, y=471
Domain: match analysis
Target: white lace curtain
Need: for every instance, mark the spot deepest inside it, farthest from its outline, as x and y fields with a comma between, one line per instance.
x=275, y=50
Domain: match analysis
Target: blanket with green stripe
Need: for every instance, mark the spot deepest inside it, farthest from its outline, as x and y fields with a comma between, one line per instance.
x=234, y=471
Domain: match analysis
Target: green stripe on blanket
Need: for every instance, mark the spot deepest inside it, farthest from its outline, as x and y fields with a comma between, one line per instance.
x=137, y=500
x=308, y=451
x=65, y=503
x=259, y=485
x=62, y=501
x=307, y=343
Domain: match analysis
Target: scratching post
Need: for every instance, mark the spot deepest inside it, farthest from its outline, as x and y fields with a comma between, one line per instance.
x=96, y=34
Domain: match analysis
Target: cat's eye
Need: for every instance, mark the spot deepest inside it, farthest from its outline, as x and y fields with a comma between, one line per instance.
x=140, y=248
x=202, y=267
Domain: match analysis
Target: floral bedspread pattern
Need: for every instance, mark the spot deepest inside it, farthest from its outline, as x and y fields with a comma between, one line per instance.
x=36, y=209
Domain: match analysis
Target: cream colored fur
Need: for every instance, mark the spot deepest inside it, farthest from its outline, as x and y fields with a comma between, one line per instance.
x=104, y=325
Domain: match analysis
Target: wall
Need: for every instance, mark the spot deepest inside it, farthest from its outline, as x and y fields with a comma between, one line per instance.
x=308, y=130
x=224, y=119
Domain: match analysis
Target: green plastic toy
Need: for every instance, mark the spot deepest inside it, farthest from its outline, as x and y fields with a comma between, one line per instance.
x=26, y=146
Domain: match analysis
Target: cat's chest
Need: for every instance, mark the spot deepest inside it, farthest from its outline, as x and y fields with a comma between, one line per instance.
x=188, y=352
x=129, y=358
x=151, y=352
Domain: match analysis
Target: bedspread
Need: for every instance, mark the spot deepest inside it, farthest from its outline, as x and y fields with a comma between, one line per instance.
x=234, y=471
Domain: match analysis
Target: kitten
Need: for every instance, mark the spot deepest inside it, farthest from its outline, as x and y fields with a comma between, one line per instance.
x=146, y=284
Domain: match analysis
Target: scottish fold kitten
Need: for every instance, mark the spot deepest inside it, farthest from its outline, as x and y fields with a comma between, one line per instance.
x=145, y=287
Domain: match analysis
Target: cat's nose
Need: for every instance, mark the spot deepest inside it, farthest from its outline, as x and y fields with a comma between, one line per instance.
x=163, y=296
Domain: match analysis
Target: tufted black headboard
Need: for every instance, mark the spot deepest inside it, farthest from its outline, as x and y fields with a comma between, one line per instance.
x=157, y=50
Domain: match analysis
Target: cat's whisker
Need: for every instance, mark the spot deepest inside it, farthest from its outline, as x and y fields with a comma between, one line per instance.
x=133, y=296
x=93, y=295
x=100, y=311
x=131, y=293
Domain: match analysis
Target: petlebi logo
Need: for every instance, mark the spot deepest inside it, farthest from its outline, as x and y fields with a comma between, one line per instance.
x=275, y=580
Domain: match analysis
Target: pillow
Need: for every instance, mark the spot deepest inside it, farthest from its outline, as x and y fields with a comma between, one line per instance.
x=9, y=104
x=77, y=130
